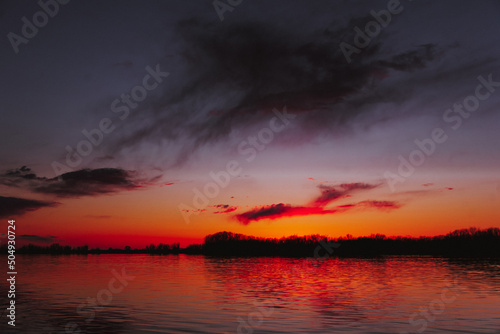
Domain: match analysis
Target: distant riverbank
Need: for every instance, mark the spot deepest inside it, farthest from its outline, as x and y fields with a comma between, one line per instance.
x=471, y=242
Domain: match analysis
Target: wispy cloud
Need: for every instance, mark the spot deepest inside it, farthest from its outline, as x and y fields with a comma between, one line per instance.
x=332, y=193
x=13, y=206
x=37, y=238
x=84, y=182
x=328, y=195
x=225, y=208
x=280, y=210
x=257, y=67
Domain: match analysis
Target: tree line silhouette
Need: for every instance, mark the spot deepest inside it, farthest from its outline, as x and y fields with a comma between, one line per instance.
x=471, y=242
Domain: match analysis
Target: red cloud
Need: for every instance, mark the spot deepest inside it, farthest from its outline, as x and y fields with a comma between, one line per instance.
x=275, y=211
x=332, y=193
x=226, y=208
x=317, y=206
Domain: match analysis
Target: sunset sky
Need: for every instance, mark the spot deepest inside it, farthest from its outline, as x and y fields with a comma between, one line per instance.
x=157, y=121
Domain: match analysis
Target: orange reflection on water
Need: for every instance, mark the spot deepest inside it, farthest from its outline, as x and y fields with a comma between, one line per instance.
x=213, y=295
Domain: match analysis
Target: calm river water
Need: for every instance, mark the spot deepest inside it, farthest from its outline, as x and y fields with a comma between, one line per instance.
x=198, y=294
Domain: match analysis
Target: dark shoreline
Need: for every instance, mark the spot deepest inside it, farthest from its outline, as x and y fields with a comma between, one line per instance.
x=465, y=243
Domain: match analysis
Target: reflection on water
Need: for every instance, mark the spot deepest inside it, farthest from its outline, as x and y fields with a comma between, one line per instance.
x=198, y=294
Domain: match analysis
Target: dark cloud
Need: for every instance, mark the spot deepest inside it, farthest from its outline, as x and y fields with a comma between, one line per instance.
x=280, y=210
x=84, y=182
x=14, y=206
x=332, y=193
x=36, y=238
x=234, y=75
x=225, y=208
x=318, y=205
x=412, y=60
